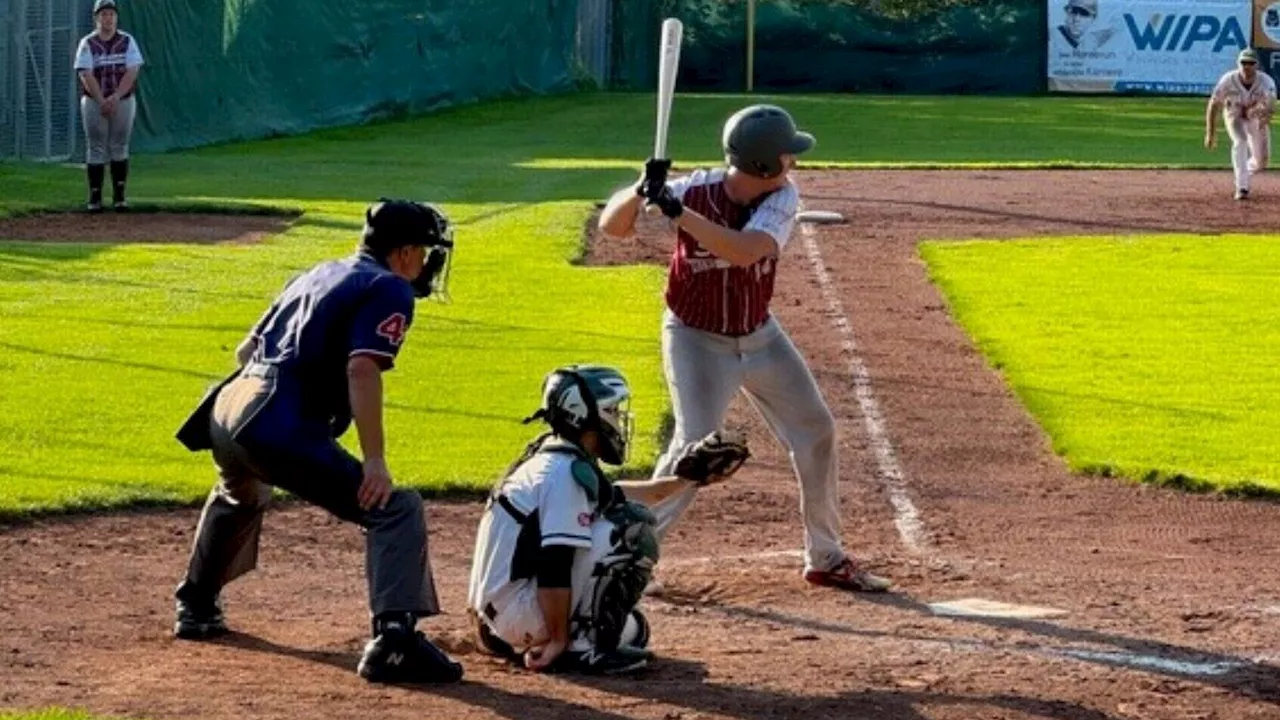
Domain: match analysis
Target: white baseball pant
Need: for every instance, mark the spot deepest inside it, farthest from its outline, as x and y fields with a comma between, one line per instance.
x=107, y=136
x=519, y=621
x=704, y=370
x=1250, y=147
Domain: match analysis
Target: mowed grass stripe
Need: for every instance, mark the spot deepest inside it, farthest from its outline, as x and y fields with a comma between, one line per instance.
x=1151, y=358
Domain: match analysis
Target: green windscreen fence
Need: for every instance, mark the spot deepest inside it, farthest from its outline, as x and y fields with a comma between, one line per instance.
x=221, y=70
x=906, y=46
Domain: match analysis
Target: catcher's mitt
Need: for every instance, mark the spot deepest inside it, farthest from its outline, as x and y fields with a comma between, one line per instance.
x=714, y=457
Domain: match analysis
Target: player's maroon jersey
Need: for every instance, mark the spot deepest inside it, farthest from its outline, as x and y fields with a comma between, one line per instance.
x=709, y=293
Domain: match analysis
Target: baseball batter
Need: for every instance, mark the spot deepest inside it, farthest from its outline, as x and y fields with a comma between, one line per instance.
x=718, y=336
x=107, y=62
x=1246, y=97
x=562, y=554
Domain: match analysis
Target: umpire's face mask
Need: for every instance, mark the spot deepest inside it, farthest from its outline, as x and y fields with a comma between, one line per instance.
x=433, y=281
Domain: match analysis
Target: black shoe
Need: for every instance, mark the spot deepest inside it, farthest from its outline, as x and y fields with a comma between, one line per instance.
x=199, y=621
x=406, y=658
x=1242, y=194
x=590, y=662
x=120, y=205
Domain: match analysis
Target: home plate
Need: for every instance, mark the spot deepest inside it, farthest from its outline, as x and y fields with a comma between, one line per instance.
x=977, y=607
x=820, y=217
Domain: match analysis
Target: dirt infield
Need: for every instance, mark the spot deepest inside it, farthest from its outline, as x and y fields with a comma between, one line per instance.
x=1153, y=604
x=143, y=227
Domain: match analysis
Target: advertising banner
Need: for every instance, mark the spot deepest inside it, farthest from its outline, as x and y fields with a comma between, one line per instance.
x=1156, y=46
x=1266, y=24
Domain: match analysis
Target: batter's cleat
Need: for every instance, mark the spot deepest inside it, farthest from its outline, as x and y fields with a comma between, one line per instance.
x=199, y=621
x=848, y=576
x=406, y=657
x=615, y=662
x=1242, y=194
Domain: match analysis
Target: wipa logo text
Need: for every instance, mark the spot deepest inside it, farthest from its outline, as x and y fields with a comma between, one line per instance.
x=1180, y=33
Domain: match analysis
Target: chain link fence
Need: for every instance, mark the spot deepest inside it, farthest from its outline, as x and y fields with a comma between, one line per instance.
x=39, y=108
x=39, y=98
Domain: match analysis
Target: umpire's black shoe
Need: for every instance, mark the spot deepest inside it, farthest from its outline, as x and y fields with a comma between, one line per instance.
x=400, y=657
x=199, y=620
x=590, y=662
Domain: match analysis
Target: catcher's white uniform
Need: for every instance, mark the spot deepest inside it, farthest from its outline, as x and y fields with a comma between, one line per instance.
x=1246, y=111
x=541, y=504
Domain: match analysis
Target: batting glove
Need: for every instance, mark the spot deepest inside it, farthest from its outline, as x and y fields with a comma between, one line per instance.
x=668, y=203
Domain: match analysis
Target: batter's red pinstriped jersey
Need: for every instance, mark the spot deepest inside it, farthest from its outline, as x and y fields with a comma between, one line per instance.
x=108, y=59
x=708, y=293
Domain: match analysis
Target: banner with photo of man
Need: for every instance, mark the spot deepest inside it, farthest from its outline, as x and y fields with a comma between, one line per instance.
x=1157, y=46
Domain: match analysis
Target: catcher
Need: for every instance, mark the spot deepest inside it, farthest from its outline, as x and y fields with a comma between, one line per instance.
x=562, y=554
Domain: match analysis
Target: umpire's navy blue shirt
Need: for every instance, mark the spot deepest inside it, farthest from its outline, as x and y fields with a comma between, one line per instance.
x=335, y=311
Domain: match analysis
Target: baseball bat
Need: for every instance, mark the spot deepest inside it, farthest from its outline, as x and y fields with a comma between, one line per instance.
x=668, y=64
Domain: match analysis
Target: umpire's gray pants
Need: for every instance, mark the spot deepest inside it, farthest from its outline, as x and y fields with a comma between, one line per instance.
x=107, y=136
x=324, y=474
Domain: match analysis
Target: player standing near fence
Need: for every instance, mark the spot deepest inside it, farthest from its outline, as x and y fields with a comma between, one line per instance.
x=107, y=62
x=718, y=335
x=1246, y=97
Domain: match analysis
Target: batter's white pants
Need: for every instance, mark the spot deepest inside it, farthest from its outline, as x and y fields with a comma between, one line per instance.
x=107, y=136
x=1250, y=148
x=704, y=370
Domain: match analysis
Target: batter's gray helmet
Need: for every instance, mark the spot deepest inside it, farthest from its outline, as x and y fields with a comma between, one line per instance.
x=756, y=137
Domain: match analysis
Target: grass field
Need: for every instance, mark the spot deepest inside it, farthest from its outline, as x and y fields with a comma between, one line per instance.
x=1151, y=357
x=105, y=348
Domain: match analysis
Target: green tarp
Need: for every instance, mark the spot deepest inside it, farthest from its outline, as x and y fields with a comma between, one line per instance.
x=220, y=70
x=992, y=46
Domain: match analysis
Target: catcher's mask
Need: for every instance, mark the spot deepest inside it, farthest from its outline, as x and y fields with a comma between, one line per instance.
x=391, y=224
x=578, y=398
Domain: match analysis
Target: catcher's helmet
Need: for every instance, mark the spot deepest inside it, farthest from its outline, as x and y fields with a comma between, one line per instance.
x=578, y=398
x=755, y=139
x=391, y=224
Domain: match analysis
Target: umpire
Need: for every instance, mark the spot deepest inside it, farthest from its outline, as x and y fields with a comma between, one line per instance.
x=312, y=364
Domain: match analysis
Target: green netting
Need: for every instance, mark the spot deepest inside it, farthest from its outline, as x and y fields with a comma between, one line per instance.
x=222, y=70
x=912, y=46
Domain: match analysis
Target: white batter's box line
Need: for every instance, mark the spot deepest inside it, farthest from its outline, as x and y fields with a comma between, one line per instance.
x=1208, y=666
x=906, y=517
